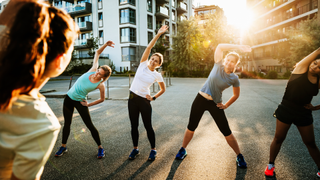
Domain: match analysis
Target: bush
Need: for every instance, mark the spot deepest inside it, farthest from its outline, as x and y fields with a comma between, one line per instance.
x=78, y=69
x=272, y=75
x=261, y=75
x=287, y=74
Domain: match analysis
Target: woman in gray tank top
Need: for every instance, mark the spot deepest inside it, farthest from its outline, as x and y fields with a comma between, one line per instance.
x=210, y=98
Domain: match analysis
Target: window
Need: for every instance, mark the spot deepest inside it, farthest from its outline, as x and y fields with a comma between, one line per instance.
x=128, y=53
x=150, y=20
x=127, y=16
x=99, y=4
x=149, y=2
x=100, y=17
x=173, y=3
x=173, y=16
x=127, y=35
x=132, y=2
x=150, y=36
x=274, y=68
x=83, y=1
x=58, y=4
x=100, y=37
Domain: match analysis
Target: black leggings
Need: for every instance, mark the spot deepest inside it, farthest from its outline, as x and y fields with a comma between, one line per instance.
x=136, y=105
x=201, y=104
x=68, y=108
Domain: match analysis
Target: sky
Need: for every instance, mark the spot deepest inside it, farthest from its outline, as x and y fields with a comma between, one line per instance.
x=234, y=10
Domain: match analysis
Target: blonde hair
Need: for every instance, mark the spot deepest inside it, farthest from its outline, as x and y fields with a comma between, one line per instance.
x=160, y=57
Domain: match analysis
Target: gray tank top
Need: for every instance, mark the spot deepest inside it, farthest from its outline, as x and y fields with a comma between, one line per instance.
x=218, y=81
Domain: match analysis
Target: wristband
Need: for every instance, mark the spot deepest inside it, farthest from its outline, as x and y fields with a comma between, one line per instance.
x=154, y=98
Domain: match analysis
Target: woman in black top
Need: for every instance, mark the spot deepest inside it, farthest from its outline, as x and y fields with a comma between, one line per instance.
x=296, y=108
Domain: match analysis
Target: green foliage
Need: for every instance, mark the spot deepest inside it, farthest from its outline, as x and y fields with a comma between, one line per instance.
x=160, y=46
x=287, y=74
x=186, y=46
x=193, y=45
x=92, y=44
x=112, y=66
x=301, y=41
x=272, y=75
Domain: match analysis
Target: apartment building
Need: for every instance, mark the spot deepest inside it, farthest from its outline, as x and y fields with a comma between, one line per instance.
x=131, y=24
x=202, y=10
x=272, y=20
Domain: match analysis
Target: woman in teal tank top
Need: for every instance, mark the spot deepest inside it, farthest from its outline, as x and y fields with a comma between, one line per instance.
x=76, y=98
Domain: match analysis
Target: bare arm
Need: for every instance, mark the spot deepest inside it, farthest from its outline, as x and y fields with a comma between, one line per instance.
x=95, y=63
x=311, y=107
x=236, y=94
x=162, y=90
x=147, y=51
x=303, y=65
x=218, y=54
x=102, y=89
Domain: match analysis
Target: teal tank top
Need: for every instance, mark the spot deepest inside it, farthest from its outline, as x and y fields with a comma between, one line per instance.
x=82, y=87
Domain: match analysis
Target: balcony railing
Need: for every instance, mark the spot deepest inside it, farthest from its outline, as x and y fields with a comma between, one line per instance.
x=162, y=12
x=269, y=38
x=79, y=9
x=85, y=26
x=182, y=8
x=290, y=14
x=162, y=1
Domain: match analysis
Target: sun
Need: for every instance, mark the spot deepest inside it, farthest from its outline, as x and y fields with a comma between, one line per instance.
x=241, y=20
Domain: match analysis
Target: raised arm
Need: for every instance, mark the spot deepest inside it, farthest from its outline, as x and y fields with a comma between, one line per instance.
x=218, y=54
x=303, y=65
x=95, y=63
x=146, y=52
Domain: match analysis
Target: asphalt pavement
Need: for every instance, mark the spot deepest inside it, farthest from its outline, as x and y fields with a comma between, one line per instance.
x=209, y=156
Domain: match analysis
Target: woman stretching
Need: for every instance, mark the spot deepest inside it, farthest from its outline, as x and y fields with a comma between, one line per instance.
x=36, y=44
x=210, y=98
x=296, y=109
x=76, y=98
x=139, y=99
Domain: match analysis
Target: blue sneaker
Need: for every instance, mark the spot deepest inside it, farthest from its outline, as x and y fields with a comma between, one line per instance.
x=61, y=151
x=181, y=154
x=241, y=162
x=153, y=155
x=134, y=154
x=101, y=152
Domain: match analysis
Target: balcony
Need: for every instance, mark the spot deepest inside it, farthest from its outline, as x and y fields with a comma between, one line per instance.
x=80, y=9
x=182, y=8
x=85, y=26
x=162, y=13
x=81, y=43
x=290, y=16
x=162, y=1
x=70, y=1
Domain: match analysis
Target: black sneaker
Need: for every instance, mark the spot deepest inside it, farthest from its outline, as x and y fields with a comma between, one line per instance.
x=241, y=162
x=153, y=155
x=181, y=154
x=134, y=154
x=61, y=151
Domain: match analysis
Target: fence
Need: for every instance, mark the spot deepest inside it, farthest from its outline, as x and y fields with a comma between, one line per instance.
x=124, y=86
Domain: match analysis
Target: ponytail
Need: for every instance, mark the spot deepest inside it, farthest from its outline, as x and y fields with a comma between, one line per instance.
x=23, y=60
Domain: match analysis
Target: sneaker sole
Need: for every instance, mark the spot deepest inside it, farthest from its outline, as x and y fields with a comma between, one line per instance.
x=134, y=157
x=182, y=157
x=56, y=155
x=149, y=159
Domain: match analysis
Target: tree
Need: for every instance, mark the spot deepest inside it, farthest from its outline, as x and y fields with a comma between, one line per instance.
x=92, y=44
x=301, y=41
x=186, y=46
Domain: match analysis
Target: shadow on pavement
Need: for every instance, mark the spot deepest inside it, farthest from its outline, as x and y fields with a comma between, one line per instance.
x=141, y=169
x=174, y=167
x=119, y=169
x=271, y=178
x=241, y=173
